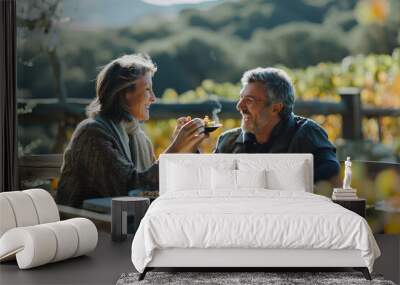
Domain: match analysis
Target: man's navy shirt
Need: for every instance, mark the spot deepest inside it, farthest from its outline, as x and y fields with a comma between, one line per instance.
x=293, y=134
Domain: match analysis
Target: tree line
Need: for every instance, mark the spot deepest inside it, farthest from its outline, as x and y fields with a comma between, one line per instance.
x=219, y=44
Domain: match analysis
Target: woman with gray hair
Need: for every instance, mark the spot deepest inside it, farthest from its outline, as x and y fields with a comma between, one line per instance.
x=109, y=153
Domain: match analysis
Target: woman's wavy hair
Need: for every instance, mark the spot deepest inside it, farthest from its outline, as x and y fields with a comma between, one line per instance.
x=116, y=79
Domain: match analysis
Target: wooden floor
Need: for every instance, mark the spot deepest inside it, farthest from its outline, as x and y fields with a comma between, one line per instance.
x=111, y=259
x=389, y=263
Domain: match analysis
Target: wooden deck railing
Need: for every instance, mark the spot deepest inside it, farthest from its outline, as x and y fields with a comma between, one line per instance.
x=43, y=166
x=70, y=112
x=349, y=107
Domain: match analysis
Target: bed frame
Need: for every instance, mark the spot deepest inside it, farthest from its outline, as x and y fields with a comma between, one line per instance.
x=248, y=259
x=240, y=259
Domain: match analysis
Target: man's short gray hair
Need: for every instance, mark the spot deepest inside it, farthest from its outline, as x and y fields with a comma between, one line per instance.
x=278, y=85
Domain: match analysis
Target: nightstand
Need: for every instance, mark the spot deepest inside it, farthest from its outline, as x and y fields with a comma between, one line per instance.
x=357, y=205
x=126, y=214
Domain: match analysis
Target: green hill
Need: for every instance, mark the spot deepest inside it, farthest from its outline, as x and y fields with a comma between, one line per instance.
x=218, y=43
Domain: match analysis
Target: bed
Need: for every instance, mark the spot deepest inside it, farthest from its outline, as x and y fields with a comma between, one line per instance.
x=246, y=211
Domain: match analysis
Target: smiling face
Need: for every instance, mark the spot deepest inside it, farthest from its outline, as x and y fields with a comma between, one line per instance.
x=258, y=114
x=139, y=100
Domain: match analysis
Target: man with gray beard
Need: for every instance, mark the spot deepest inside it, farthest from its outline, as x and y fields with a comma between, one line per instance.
x=269, y=125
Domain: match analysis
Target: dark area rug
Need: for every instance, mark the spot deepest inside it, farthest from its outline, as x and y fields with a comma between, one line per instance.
x=228, y=278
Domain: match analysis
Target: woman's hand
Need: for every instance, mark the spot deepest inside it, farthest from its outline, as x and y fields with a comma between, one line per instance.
x=188, y=137
x=179, y=124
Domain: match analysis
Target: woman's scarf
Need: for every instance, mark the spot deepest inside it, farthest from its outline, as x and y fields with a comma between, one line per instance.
x=136, y=145
x=142, y=152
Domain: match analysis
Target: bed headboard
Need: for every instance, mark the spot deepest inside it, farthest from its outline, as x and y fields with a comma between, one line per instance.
x=284, y=163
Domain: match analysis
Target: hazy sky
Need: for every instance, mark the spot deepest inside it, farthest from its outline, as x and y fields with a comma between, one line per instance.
x=171, y=2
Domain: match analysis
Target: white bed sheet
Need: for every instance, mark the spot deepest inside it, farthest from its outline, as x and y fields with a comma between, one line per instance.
x=253, y=218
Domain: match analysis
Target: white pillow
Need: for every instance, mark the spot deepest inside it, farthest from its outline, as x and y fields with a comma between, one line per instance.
x=293, y=181
x=186, y=175
x=281, y=174
x=251, y=178
x=227, y=179
x=223, y=179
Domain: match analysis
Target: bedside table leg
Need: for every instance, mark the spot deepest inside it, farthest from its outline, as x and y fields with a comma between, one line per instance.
x=364, y=271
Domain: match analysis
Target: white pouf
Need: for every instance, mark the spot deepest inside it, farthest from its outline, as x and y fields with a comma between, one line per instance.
x=33, y=246
x=45, y=205
x=7, y=220
x=66, y=237
x=87, y=234
x=31, y=232
x=23, y=208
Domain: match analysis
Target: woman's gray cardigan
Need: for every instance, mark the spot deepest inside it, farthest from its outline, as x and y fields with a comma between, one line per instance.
x=95, y=165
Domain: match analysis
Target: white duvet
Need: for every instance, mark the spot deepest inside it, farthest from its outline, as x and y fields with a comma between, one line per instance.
x=250, y=219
